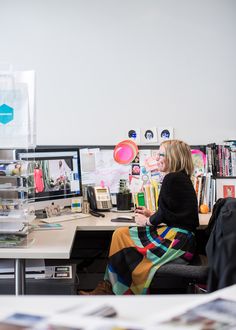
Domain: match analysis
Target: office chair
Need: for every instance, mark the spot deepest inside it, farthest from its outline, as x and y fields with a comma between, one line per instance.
x=215, y=269
x=174, y=277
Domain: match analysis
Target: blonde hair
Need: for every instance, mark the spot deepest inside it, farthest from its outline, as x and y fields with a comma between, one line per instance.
x=178, y=156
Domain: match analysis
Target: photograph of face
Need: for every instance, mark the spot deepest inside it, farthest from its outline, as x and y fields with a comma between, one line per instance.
x=134, y=134
x=135, y=169
x=149, y=134
x=165, y=133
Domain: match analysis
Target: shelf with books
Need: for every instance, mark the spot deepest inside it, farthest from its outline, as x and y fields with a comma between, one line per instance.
x=221, y=159
x=226, y=177
x=205, y=187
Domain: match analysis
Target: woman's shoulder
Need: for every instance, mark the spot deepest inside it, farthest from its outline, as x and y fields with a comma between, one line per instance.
x=176, y=177
x=173, y=175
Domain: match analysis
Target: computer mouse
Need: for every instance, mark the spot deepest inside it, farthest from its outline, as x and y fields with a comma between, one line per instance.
x=127, y=217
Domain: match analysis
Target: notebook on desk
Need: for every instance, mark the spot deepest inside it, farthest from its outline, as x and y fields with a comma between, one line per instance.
x=65, y=217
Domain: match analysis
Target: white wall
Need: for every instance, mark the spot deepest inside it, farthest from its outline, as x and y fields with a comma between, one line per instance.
x=105, y=66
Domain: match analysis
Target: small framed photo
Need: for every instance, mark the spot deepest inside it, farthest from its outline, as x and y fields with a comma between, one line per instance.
x=149, y=135
x=134, y=134
x=225, y=188
x=228, y=191
x=165, y=133
x=135, y=169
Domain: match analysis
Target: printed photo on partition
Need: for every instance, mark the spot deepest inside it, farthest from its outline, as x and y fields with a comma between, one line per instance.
x=228, y=191
x=135, y=169
x=165, y=133
x=134, y=135
x=225, y=188
x=136, y=159
x=149, y=135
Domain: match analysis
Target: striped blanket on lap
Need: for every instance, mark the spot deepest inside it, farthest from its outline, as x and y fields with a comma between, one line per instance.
x=136, y=253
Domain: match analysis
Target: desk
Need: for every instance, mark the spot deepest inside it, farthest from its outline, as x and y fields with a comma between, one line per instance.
x=132, y=309
x=57, y=244
x=41, y=245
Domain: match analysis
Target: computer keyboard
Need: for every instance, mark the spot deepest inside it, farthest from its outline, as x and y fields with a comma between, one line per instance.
x=65, y=217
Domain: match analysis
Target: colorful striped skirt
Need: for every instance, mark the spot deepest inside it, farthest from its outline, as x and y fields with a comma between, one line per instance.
x=136, y=253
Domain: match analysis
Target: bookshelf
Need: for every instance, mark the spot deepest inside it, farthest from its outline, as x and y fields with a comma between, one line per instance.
x=221, y=161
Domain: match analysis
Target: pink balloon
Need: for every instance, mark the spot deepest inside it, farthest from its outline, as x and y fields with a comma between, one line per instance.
x=125, y=152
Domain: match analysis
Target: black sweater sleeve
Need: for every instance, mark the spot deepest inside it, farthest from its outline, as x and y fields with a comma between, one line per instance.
x=177, y=203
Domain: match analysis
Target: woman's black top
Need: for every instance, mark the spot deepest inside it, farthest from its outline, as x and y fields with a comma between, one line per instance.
x=177, y=203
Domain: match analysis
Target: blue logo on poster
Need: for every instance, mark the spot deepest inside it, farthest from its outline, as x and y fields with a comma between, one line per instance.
x=6, y=114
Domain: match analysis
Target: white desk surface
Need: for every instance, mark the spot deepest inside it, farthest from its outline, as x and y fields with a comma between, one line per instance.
x=57, y=244
x=142, y=310
x=94, y=223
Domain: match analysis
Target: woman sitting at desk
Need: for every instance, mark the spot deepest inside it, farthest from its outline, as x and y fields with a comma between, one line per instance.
x=136, y=253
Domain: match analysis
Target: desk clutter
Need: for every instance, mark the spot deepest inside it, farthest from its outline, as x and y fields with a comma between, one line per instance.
x=53, y=214
x=13, y=234
x=14, y=214
x=59, y=172
x=213, y=311
x=142, y=178
x=64, y=217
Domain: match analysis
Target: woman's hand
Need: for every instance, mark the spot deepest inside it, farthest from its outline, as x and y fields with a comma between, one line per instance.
x=141, y=219
x=143, y=210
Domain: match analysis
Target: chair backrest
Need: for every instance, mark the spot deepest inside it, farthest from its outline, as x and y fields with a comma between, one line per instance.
x=221, y=245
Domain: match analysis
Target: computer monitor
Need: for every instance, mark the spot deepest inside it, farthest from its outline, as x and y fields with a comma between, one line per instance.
x=55, y=175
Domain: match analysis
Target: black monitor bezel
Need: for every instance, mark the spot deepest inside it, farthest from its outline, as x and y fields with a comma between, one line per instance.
x=41, y=197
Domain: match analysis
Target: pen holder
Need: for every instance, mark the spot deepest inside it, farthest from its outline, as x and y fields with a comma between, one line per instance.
x=123, y=201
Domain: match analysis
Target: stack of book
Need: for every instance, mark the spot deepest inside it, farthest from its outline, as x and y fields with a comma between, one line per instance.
x=221, y=159
x=205, y=187
x=149, y=196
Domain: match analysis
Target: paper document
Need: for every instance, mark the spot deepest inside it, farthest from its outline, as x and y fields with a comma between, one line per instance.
x=11, y=227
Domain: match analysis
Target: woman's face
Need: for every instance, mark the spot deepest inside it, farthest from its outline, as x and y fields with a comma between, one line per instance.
x=161, y=159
